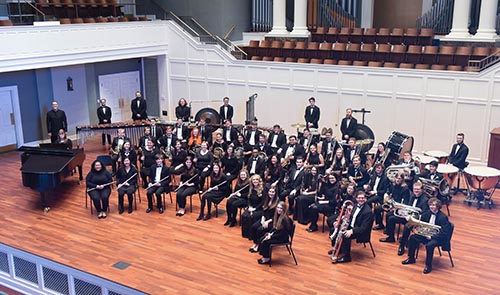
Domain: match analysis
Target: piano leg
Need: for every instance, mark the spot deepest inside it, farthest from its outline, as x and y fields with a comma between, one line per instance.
x=80, y=173
x=44, y=203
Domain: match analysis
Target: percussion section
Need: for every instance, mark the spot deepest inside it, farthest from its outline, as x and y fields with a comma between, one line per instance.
x=482, y=183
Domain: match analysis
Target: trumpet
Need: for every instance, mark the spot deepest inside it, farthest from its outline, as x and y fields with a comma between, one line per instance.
x=423, y=228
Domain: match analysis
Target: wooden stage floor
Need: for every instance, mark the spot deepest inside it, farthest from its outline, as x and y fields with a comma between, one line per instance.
x=178, y=255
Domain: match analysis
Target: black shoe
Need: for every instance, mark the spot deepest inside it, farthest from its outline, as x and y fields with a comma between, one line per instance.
x=401, y=250
x=330, y=252
x=149, y=210
x=385, y=231
x=200, y=217
x=408, y=261
x=252, y=250
x=161, y=210
x=427, y=269
x=387, y=240
x=311, y=229
x=130, y=209
x=378, y=227
x=261, y=261
x=227, y=222
x=344, y=259
x=232, y=224
x=120, y=210
x=207, y=217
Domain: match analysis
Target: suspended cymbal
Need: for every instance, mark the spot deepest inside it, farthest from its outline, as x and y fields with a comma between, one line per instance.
x=364, y=141
x=298, y=125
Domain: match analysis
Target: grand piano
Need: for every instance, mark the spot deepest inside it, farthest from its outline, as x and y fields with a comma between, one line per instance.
x=45, y=167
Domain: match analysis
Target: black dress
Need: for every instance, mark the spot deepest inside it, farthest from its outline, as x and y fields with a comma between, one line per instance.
x=100, y=197
x=249, y=217
x=307, y=198
x=236, y=202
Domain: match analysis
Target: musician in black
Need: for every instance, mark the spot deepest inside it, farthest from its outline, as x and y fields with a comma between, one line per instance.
x=64, y=140
x=116, y=147
x=104, y=115
x=307, y=195
x=182, y=110
x=328, y=147
x=178, y=157
x=219, y=142
x=226, y=111
x=352, y=150
x=459, y=153
x=156, y=130
x=230, y=164
x=290, y=151
x=307, y=139
x=379, y=183
x=273, y=173
x=126, y=178
x=159, y=183
x=56, y=120
x=204, y=160
x=255, y=203
x=359, y=228
x=277, y=138
x=357, y=173
x=280, y=233
x=410, y=169
x=181, y=132
x=147, y=136
x=255, y=164
x=293, y=183
x=188, y=185
x=139, y=107
x=435, y=177
x=243, y=147
x=380, y=154
x=434, y=217
x=349, y=125
x=229, y=133
x=339, y=165
x=252, y=134
x=238, y=199
x=206, y=132
x=148, y=160
x=264, y=225
x=315, y=159
x=167, y=141
x=128, y=152
x=219, y=189
x=99, y=182
x=312, y=114
x=400, y=193
x=263, y=146
x=325, y=202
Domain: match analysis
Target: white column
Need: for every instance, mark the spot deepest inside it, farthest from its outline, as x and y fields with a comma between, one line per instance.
x=279, y=17
x=487, y=20
x=367, y=13
x=459, y=27
x=300, y=18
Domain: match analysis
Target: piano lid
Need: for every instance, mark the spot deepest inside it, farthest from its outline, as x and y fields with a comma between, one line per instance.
x=45, y=164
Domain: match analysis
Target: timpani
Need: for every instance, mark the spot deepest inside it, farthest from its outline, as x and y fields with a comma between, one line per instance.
x=483, y=182
x=440, y=155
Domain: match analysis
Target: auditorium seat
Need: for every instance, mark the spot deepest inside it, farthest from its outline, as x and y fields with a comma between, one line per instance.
x=300, y=49
x=426, y=36
x=143, y=18
x=370, y=35
x=6, y=23
x=390, y=64
x=396, y=36
x=279, y=59
x=77, y=20
x=101, y=19
x=268, y=58
x=471, y=69
x=356, y=35
x=339, y=50
x=287, y=49
x=345, y=62
x=438, y=67
x=413, y=54
x=319, y=35
x=446, y=55
x=360, y=63
x=344, y=35
x=332, y=34
x=255, y=57
x=352, y=51
x=479, y=53
x=303, y=60
x=411, y=36
x=89, y=20
x=459, y=57
x=122, y=19
x=398, y=53
x=330, y=61
x=325, y=50
x=316, y=61
x=275, y=49
x=454, y=68
x=112, y=19
x=132, y=18
x=290, y=59
x=311, y=50
x=422, y=66
x=264, y=47
x=64, y=21
x=382, y=52
x=252, y=48
x=69, y=8
x=405, y=65
x=376, y=64
x=383, y=35
x=429, y=55
x=57, y=8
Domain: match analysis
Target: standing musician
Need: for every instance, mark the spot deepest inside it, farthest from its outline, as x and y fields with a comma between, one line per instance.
x=127, y=182
x=226, y=111
x=293, y=183
x=307, y=195
x=188, y=186
x=231, y=165
x=206, y=131
x=204, y=160
x=139, y=107
x=238, y=199
x=104, y=115
x=159, y=182
x=312, y=114
x=359, y=228
x=156, y=131
x=379, y=183
x=167, y=141
x=280, y=233
x=328, y=147
x=433, y=217
x=117, y=146
x=253, y=134
x=181, y=131
x=277, y=138
x=264, y=225
x=255, y=203
x=397, y=191
x=459, y=153
x=349, y=125
x=148, y=159
x=219, y=188
x=290, y=151
x=263, y=146
x=99, y=180
x=128, y=152
x=255, y=164
x=183, y=111
x=62, y=138
x=325, y=202
x=315, y=159
x=56, y=120
x=194, y=139
x=357, y=173
x=146, y=137
x=229, y=133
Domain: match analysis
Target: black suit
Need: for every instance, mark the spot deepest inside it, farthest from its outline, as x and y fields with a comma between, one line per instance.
x=361, y=177
x=280, y=140
x=260, y=166
x=206, y=134
x=233, y=134
x=422, y=203
x=457, y=158
x=156, y=131
x=349, y=130
x=183, y=113
x=266, y=148
x=383, y=185
x=361, y=229
x=295, y=180
x=140, y=109
x=158, y=190
x=312, y=116
x=164, y=141
x=184, y=132
x=256, y=134
x=56, y=120
x=223, y=116
x=324, y=150
x=104, y=116
x=299, y=151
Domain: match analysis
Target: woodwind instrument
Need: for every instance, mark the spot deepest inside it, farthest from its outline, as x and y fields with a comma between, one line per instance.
x=342, y=224
x=186, y=182
x=154, y=184
x=212, y=188
x=286, y=160
x=106, y=184
x=121, y=184
x=236, y=192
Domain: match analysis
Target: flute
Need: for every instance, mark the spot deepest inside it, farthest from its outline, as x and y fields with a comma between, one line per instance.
x=212, y=188
x=106, y=184
x=154, y=184
x=121, y=184
x=236, y=192
x=186, y=182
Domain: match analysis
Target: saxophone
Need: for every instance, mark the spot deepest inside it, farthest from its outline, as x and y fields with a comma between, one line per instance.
x=342, y=222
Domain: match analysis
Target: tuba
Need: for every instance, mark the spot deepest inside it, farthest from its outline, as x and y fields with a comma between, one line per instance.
x=343, y=222
x=402, y=210
x=423, y=228
x=238, y=152
x=218, y=153
x=388, y=202
x=430, y=186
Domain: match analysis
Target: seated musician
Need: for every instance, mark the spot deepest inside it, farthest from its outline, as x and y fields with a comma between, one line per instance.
x=339, y=165
x=159, y=182
x=147, y=136
x=262, y=226
x=435, y=177
x=273, y=173
x=190, y=177
x=329, y=146
x=205, y=131
x=279, y=233
x=400, y=193
x=128, y=152
x=241, y=144
x=348, y=194
x=315, y=159
x=353, y=150
x=167, y=141
x=219, y=189
x=277, y=138
x=290, y=151
x=178, y=157
x=381, y=156
x=410, y=169
x=156, y=131
x=255, y=164
x=116, y=147
x=99, y=182
x=230, y=164
x=229, y=133
x=181, y=131
x=182, y=110
x=359, y=228
x=204, y=160
x=194, y=140
x=307, y=139
x=378, y=184
x=357, y=173
x=126, y=178
x=432, y=217
x=325, y=202
x=263, y=146
x=219, y=142
x=459, y=153
x=252, y=134
x=238, y=199
x=255, y=203
x=64, y=140
x=419, y=200
x=293, y=183
x=148, y=156
x=307, y=195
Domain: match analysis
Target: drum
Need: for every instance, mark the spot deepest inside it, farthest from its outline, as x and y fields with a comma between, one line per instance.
x=440, y=155
x=399, y=144
x=449, y=172
x=423, y=160
x=210, y=115
x=482, y=178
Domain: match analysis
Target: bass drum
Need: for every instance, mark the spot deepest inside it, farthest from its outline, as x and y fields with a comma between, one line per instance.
x=399, y=144
x=364, y=135
x=210, y=115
